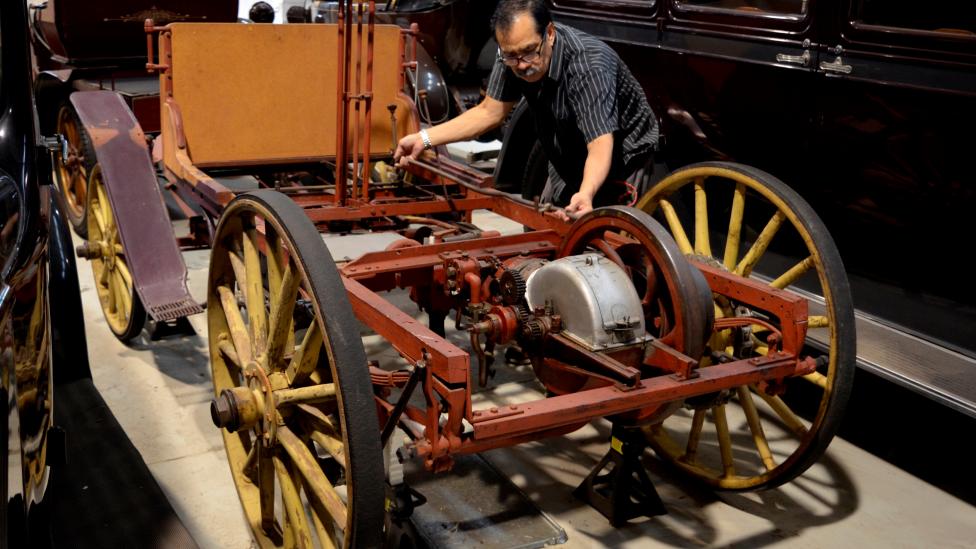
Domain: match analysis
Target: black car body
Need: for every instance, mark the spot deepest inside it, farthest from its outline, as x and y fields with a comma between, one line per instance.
x=42, y=336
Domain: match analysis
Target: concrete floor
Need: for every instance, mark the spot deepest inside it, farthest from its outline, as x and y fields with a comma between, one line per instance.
x=160, y=392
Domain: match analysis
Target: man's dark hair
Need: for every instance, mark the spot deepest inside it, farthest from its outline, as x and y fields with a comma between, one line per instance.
x=507, y=10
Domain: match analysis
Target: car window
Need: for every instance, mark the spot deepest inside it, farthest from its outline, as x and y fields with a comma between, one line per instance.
x=792, y=7
x=949, y=17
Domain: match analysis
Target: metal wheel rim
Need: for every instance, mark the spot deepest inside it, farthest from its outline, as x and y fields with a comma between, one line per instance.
x=839, y=370
x=306, y=512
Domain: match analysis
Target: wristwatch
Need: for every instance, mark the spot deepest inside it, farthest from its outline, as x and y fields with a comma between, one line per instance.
x=426, y=139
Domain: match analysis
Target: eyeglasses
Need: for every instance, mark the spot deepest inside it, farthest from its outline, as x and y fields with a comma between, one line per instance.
x=531, y=57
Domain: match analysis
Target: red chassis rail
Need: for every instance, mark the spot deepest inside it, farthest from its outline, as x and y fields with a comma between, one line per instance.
x=450, y=426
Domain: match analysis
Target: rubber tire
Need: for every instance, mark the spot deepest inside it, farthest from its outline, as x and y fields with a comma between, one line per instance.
x=846, y=342
x=342, y=334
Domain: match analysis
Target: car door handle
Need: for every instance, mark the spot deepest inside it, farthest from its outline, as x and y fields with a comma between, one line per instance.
x=835, y=66
x=802, y=60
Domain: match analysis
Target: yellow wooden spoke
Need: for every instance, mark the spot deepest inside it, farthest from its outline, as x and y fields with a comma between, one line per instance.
x=123, y=270
x=325, y=533
x=735, y=226
x=237, y=264
x=758, y=248
x=125, y=299
x=227, y=348
x=702, y=244
x=306, y=357
x=292, y=503
x=105, y=206
x=691, y=449
x=783, y=411
x=755, y=425
x=817, y=379
x=99, y=219
x=724, y=440
x=235, y=323
x=317, y=484
x=266, y=487
x=676, y=229
x=257, y=322
x=273, y=262
x=251, y=463
x=325, y=433
x=818, y=322
x=795, y=272
x=109, y=285
x=324, y=392
x=282, y=309
x=276, y=260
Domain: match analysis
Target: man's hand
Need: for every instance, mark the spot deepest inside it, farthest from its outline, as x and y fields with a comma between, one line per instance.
x=579, y=204
x=410, y=148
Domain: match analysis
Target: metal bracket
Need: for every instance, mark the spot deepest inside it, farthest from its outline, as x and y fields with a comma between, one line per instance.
x=802, y=60
x=837, y=65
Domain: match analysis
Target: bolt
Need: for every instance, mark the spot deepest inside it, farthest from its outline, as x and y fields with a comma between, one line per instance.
x=223, y=412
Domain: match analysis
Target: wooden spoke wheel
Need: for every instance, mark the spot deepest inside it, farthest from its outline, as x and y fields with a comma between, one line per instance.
x=293, y=394
x=117, y=295
x=674, y=296
x=750, y=223
x=73, y=172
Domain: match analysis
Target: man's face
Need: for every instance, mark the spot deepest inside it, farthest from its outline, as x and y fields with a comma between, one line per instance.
x=521, y=41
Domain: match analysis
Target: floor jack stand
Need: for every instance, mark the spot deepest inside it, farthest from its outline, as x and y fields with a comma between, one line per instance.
x=624, y=491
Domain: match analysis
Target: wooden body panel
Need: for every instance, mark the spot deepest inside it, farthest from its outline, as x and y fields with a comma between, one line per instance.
x=266, y=94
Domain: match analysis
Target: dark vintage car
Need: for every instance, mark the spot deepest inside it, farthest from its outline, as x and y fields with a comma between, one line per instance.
x=865, y=107
x=85, y=46
x=42, y=335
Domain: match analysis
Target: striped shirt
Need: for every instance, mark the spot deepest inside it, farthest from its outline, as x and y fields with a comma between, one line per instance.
x=587, y=92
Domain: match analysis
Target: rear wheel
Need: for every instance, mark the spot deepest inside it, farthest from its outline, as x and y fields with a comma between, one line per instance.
x=746, y=437
x=116, y=291
x=73, y=172
x=291, y=381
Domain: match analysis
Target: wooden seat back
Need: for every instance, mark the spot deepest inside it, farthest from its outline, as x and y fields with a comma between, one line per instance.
x=267, y=94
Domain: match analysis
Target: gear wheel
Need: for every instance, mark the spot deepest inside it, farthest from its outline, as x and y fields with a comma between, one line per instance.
x=522, y=313
x=533, y=330
x=511, y=286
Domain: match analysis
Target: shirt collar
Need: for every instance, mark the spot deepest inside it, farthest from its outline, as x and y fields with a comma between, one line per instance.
x=556, y=61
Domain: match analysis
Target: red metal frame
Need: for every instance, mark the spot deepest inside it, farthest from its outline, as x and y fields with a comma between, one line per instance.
x=610, y=385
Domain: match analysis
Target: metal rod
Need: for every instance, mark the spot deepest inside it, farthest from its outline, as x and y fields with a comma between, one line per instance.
x=356, y=98
x=341, y=103
x=401, y=404
x=368, y=110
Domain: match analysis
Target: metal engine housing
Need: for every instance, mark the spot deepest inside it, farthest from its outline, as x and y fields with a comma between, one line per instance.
x=595, y=298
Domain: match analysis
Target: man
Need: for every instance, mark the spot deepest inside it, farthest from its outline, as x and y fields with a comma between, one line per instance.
x=592, y=117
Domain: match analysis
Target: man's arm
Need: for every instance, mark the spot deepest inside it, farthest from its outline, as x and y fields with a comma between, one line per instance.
x=599, y=154
x=489, y=114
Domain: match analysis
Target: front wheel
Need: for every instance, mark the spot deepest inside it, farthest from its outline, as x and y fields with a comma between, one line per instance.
x=291, y=381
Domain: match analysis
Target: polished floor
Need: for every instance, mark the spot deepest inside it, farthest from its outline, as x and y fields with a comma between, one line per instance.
x=160, y=393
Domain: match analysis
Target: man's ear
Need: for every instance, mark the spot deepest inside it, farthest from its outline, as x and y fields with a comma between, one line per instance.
x=551, y=32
